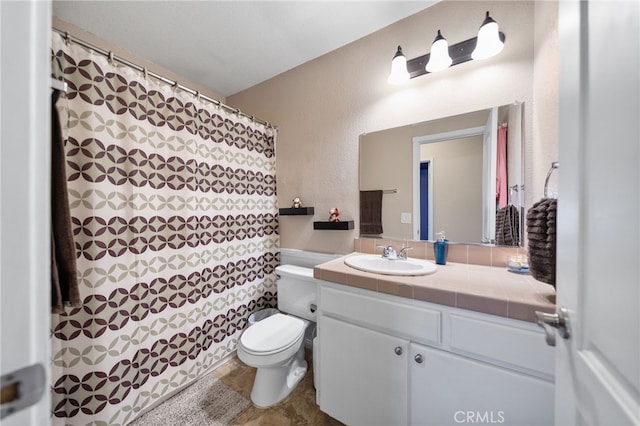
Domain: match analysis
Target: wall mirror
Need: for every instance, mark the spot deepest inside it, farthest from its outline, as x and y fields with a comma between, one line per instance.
x=441, y=175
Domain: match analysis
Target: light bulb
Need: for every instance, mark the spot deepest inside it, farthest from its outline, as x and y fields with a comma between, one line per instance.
x=489, y=43
x=399, y=73
x=439, y=58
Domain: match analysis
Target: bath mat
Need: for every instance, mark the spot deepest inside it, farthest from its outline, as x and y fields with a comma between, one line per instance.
x=208, y=402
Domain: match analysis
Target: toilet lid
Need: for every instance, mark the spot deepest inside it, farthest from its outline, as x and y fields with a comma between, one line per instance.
x=272, y=334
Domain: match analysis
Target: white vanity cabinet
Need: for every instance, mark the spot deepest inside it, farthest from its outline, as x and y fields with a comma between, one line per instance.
x=387, y=360
x=358, y=390
x=446, y=388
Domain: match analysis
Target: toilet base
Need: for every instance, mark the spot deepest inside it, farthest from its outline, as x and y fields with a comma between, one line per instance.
x=273, y=384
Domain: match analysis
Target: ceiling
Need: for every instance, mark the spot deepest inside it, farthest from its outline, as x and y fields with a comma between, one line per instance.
x=229, y=46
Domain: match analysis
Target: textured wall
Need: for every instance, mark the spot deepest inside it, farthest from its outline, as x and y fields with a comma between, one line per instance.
x=544, y=146
x=322, y=107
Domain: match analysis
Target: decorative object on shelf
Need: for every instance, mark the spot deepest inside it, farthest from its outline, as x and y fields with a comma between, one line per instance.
x=489, y=42
x=297, y=203
x=334, y=215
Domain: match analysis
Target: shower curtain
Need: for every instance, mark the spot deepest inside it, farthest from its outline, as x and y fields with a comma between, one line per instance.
x=173, y=207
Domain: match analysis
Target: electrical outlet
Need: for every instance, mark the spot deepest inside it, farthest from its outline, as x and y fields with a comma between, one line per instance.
x=405, y=217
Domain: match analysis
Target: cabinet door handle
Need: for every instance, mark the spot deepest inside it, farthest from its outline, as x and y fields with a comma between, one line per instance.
x=398, y=350
x=418, y=358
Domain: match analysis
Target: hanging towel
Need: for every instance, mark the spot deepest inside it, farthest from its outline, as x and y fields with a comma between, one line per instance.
x=541, y=233
x=502, y=193
x=508, y=226
x=371, y=212
x=64, y=275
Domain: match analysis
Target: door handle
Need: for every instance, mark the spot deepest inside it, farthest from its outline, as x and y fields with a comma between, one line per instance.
x=559, y=321
x=21, y=389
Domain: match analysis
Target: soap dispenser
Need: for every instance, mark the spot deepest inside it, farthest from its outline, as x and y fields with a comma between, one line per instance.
x=440, y=248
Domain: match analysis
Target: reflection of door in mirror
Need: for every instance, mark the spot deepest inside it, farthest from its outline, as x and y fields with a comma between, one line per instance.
x=489, y=161
x=456, y=197
x=426, y=197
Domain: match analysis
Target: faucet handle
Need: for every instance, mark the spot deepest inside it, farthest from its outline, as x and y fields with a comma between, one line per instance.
x=403, y=252
x=385, y=250
x=388, y=252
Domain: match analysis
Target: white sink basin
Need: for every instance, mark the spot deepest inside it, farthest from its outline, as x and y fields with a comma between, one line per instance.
x=379, y=265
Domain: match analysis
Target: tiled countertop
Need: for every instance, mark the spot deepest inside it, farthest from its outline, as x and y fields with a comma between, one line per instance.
x=487, y=289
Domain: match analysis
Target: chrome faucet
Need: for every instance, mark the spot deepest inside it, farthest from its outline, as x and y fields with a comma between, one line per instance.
x=388, y=252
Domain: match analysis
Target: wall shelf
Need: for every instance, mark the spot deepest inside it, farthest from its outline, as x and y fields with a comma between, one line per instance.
x=302, y=211
x=342, y=225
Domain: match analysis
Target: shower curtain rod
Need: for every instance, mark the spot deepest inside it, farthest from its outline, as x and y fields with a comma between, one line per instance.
x=109, y=54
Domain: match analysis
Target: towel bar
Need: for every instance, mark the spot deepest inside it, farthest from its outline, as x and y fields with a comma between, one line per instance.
x=554, y=166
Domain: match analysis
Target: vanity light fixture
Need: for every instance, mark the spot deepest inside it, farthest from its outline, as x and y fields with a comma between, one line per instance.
x=399, y=73
x=439, y=58
x=489, y=42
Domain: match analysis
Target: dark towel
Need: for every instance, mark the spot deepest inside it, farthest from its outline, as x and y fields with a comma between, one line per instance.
x=371, y=212
x=508, y=226
x=64, y=275
x=541, y=234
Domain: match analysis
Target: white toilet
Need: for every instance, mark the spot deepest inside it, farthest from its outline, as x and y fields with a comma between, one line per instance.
x=275, y=345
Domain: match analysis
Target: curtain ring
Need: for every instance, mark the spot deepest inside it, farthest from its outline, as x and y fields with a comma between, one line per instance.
x=67, y=38
x=145, y=72
x=110, y=57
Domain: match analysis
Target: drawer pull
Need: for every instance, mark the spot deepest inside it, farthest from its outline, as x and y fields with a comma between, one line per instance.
x=398, y=350
x=418, y=358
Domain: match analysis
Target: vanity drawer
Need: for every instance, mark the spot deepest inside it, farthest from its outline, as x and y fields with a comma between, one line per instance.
x=400, y=319
x=522, y=348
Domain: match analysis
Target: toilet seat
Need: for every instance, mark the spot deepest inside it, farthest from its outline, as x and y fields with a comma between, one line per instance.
x=274, y=334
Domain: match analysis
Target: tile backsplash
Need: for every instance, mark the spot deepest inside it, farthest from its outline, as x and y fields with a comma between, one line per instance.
x=458, y=253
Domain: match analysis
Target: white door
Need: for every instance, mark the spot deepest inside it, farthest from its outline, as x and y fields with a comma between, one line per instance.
x=598, y=280
x=489, y=162
x=24, y=205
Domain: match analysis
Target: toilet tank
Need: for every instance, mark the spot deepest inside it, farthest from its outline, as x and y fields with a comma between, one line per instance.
x=297, y=294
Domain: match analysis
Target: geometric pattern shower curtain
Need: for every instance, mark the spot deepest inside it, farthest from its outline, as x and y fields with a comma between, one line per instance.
x=173, y=206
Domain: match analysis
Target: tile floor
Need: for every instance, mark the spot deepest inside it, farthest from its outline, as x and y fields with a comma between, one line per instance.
x=299, y=408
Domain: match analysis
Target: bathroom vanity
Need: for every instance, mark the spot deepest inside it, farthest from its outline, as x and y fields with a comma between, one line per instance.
x=456, y=346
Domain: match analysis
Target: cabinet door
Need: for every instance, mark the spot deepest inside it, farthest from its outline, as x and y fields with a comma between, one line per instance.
x=448, y=389
x=363, y=374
